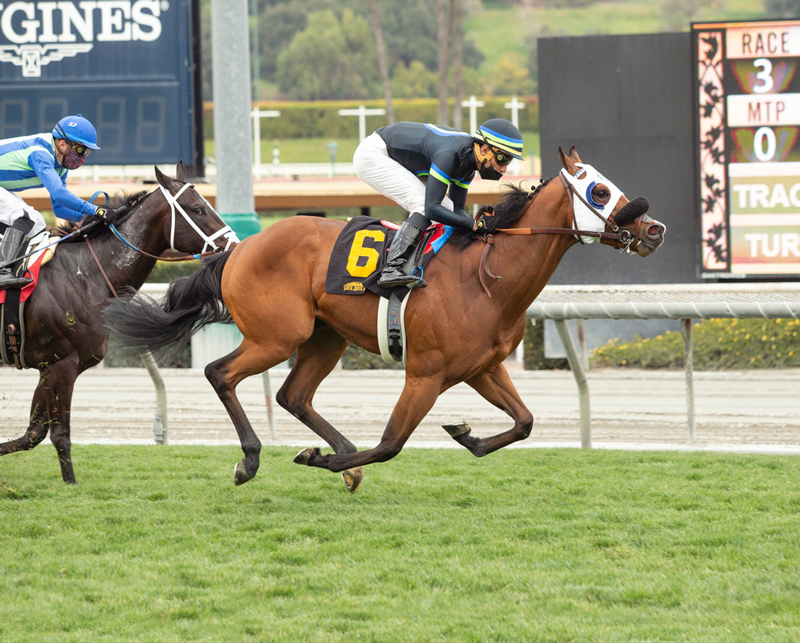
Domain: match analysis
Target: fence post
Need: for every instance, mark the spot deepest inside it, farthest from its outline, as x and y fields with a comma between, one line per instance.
x=688, y=366
x=580, y=379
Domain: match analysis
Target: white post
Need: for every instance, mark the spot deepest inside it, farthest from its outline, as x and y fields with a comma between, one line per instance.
x=473, y=104
x=515, y=105
x=362, y=112
x=257, y=115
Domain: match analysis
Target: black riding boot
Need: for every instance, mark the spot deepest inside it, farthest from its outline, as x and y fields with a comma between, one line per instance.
x=9, y=248
x=403, y=246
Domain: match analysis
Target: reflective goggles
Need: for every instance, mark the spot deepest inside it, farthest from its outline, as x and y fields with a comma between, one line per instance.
x=502, y=158
x=79, y=148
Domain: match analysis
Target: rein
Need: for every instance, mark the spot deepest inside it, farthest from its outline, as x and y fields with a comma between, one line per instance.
x=623, y=236
x=175, y=208
x=628, y=240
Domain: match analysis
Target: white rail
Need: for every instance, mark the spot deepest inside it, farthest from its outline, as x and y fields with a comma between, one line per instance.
x=670, y=301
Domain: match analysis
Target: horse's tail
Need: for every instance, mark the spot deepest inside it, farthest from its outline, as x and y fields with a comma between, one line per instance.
x=190, y=303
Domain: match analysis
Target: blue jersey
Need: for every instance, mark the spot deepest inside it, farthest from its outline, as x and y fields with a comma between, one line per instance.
x=30, y=162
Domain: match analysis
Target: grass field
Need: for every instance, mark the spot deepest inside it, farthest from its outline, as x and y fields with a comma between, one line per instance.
x=157, y=545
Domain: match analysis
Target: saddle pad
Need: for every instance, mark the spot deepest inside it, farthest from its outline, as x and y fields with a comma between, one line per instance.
x=360, y=251
x=33, y=264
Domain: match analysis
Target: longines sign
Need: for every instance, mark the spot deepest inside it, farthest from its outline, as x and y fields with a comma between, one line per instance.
x=125, y=64
x=31, y=26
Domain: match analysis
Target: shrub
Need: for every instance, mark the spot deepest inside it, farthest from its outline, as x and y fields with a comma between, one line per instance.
x=717, y=344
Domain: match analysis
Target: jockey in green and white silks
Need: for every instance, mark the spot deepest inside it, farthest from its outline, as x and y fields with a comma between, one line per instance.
x=35, y=161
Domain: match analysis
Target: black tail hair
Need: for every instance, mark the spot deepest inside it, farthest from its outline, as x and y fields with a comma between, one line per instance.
x=141, y=323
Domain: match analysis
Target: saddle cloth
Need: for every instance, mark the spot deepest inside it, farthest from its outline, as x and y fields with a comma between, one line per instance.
x=360, y=252
x=31, y=266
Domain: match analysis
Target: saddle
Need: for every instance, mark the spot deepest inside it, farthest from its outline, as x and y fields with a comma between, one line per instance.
x=12, y=301
x=357, y=258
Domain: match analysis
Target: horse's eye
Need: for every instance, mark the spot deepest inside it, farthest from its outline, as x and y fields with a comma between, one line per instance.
x=198, y=211
x=601, y=194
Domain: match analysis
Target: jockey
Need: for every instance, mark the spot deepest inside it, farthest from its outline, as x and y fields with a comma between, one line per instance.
x=395, y=160
x=42, y=160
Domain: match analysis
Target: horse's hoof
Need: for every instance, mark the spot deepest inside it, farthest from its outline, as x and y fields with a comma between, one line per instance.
x=352, y=478
x=240, y=475
x=305, y=455
x=456, y=430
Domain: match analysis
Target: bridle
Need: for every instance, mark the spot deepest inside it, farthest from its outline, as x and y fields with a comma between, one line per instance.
x=175, y=208
x=628, y=240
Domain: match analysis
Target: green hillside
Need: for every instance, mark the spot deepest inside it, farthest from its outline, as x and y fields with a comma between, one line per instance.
x=513, y=28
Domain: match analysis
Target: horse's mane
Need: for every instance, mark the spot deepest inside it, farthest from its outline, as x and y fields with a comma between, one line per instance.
x=506, y=213
x=121, y=198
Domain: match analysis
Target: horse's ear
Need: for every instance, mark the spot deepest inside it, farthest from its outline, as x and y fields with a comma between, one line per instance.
x=162, y=178
x=562, y=157
x=573, y=154
x=180, y=171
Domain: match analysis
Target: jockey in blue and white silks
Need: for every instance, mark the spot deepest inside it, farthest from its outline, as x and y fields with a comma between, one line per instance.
x=35, y=161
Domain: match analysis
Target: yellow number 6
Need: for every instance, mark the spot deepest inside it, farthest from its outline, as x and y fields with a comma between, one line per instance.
x=357, y=251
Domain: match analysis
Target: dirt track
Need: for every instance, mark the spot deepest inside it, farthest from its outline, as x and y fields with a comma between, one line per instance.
x=740, y=410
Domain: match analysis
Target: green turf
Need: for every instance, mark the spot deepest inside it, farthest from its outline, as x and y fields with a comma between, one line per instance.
x=156, y=544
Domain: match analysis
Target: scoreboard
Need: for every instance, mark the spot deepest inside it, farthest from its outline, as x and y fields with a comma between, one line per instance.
x=126, y=65
x=747, y=111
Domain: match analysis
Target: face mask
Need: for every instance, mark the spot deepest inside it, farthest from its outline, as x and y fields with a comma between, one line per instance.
x=488, y=172
x=72, y=161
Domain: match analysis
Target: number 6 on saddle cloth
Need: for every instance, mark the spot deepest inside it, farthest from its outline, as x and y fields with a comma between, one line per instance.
x=357, y=259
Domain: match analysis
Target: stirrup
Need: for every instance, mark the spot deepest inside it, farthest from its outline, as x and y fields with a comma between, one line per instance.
x=396, y=279
x=14, y=282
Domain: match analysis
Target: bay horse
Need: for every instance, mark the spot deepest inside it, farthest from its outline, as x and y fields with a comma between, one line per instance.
x=65, y=334
x=459, y=329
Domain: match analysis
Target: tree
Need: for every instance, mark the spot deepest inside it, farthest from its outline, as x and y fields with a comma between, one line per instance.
x=331, y=58
x=782, y=8
x=443, y=43
x=413, y=81
x=382, y=63
x=458, y=54
x=511, y=77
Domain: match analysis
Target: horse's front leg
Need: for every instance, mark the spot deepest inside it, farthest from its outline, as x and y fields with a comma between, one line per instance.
x=417, y=398
x=50, y=411
x=495, y=386
x=316, y=358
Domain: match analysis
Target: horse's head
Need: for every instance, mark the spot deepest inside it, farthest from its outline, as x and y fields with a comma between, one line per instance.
x=600, y=206
x=192, y=225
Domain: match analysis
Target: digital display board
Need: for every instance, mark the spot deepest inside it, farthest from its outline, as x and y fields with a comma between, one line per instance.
x=126, y=65
x=748, y=121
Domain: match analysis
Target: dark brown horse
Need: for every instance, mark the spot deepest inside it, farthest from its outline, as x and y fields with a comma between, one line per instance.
x=273, y=287
x=63, y=318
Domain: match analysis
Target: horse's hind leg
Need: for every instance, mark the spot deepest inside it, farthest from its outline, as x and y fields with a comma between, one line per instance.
x=417, y=398
x=50, y=411
x=224, y=375
x=496, y=387
x=316, y=358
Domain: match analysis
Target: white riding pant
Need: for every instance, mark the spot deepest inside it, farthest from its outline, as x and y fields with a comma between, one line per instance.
x=12, y=208
x=373, y=165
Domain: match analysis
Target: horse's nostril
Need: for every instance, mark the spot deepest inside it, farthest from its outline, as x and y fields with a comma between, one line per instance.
x=655, y=231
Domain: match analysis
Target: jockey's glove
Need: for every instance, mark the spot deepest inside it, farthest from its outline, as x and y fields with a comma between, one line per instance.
x=485, y=222
x=109, y=215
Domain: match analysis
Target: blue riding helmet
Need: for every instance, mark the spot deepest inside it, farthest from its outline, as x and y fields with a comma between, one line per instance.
x=78, y=130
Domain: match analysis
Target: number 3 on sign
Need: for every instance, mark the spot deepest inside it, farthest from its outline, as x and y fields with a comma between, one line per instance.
x=764, y=75
x=359, y=252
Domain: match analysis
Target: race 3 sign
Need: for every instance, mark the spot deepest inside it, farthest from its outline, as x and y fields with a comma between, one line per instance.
x=748, y=121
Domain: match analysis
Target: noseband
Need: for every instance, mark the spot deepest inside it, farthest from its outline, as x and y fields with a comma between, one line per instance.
x=629, y=241
x=176, y=207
